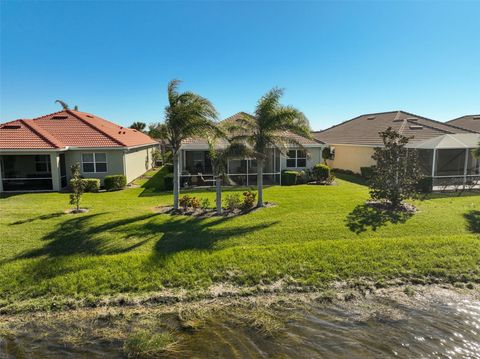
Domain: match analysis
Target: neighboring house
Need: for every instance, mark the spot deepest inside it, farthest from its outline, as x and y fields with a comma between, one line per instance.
x=444, y=149
x=196, y=167
x=470, y=122
x=36, y=155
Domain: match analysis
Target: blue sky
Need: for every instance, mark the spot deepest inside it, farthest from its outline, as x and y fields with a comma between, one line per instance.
x=336, y=60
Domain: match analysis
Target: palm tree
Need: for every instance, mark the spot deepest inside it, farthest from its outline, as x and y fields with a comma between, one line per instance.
x=186, y=115
x=219, y=157
x=63, y=104
x=139, y=126
x=269, y=128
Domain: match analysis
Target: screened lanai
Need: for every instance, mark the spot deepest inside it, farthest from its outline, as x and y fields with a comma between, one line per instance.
x=449, y=161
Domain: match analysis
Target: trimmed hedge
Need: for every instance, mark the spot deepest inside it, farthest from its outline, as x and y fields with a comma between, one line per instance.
x=425, y=185
x=289, y=178
x=367, y=172
x=114, y=182
x=321, y=172
x=89, y=184
x=168, y=182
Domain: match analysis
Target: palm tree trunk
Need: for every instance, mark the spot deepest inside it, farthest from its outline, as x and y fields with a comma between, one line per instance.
x=176, y=180
x=260, y=182
x=218, y=184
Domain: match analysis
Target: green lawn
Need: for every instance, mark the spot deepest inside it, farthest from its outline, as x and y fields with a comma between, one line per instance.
x=122, y=246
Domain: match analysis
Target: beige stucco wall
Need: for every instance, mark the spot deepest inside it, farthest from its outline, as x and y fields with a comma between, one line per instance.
x=352, y=157
x=114, y=162
x=138, y=161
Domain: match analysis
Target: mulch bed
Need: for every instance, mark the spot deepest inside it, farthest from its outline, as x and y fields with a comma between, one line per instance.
x=208, y=212
x=387, y=206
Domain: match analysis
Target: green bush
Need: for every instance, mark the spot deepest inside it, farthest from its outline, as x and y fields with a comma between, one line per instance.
x=114, y=182
x=367, y=172
x=89, y=184
x=169, y=167
x=344, y=172
x=189, y=202
x=248, y=200
x=425, y=185
x=168, y=182
x=232, y=201
x=321, y=171
x=289, y=178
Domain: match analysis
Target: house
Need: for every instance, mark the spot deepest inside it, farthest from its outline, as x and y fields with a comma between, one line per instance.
x=196, y=167
x=444, y=148
x=36, y=154
x=470, y=122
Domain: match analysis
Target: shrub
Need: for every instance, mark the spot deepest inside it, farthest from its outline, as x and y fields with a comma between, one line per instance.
x=302, y=177
x=425, y=185
x=89, y=184
x=205, y=203
x=289, y=178
x=232, y=201
x=248, y=200
x=367, y=172
x=168, y=182
x=321, y=171
x=114, y=182
x=344, y=172
x=189, y=202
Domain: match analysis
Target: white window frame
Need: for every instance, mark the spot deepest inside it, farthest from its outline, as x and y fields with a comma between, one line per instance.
x=94, y=154
x=45, y=159
x=296, y=158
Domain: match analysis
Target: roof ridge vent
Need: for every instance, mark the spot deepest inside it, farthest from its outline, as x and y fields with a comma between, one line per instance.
x=416, y=127
x=370, y=118
x=11, y=127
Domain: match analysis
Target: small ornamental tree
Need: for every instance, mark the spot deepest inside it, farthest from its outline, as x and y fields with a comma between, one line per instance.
x=78, y=187
x=397, y=171
x=476, y=152
x=326, y=152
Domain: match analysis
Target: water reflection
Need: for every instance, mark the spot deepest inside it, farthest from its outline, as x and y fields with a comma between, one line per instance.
x=387, y=329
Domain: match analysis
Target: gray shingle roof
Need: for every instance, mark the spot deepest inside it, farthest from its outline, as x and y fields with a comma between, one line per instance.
x=202, y=141
x=364, y=130
x=470, y=122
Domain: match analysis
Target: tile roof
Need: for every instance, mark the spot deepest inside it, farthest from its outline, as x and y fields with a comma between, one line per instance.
x=68, y=128
x=239, y=115
x=470, y=122
x=364, y=130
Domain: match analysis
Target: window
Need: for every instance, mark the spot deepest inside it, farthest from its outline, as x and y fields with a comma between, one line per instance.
x=94, y=162
x=42, y=163
x=296, y=158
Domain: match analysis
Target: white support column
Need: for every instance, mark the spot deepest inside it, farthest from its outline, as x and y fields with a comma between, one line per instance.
x=55, y=167
x=280, y=169
x=1, y=178
x=465, y=168
x=434, y=165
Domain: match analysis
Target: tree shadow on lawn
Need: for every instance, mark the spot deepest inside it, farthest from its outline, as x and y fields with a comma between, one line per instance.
x=364, y=217
x=79, y=236
x=473, y=221
x=43, y=217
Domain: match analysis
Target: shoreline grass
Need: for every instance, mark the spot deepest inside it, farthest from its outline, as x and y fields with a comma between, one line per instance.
x=122, y=247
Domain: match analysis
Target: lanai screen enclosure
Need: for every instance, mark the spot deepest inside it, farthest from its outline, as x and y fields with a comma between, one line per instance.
x=449, y=161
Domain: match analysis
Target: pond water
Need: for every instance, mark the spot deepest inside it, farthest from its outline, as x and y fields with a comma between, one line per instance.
x=383, y=329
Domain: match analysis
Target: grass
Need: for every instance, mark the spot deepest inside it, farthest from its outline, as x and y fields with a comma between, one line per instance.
x=315, y=236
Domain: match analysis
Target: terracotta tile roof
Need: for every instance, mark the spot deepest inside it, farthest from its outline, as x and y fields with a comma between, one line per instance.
x=364, y=129
x=239, y=115
x=470, y=122
x=69, y=128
